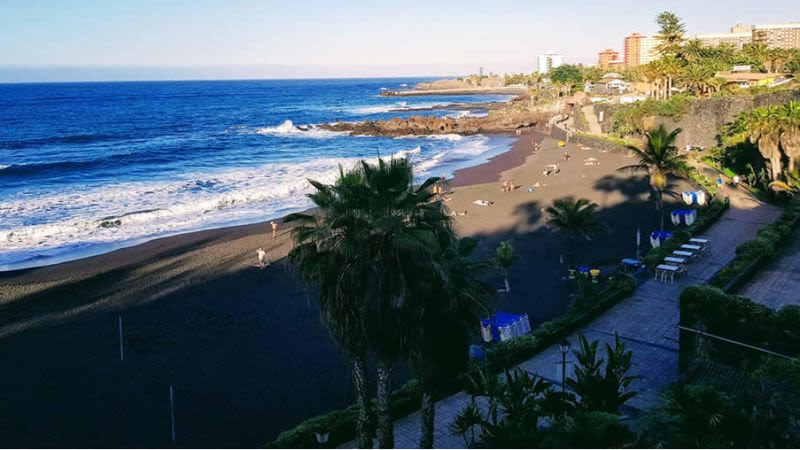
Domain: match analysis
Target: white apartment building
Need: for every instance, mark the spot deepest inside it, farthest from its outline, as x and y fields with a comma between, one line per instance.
x=548, y=61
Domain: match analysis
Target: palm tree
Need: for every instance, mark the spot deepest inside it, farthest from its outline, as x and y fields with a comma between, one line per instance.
x=696, y=78
x=451, y=302
x=764, y=127
x=758, y=53
x=321, y=250
x=692, y=50
x=573, y=219
x=671, y=68
x=776, y=57
x=380, y=232
x=504, y=259
x=659, y=158
x=790, y=132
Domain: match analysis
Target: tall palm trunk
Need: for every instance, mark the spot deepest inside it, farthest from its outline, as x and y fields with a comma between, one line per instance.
x=660, y=199
x=428, y=412
x=385, y=427
x=362, y=402
x=571, y=255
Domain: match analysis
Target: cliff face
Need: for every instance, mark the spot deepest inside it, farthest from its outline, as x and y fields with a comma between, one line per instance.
x=498, y=121
x=702, y=122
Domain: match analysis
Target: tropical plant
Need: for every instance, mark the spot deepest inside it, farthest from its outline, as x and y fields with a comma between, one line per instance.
x=449, y=304
x=575, y=218
x=320, y=252
x=670, y=34
x=567, y=74
x=602, y=384
x=515, y=404
x=764, y=127
x=693, y=50
x=589, y=429
x=373, y=236
x=757, y=52
x=504, y=259
x=466, y=422
x=789, y=117
x=697, y=78
x=659, y=158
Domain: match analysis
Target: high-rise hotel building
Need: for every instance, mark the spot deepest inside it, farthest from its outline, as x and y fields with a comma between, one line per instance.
x=640, y=49
x=780, y=35
x=548, y=61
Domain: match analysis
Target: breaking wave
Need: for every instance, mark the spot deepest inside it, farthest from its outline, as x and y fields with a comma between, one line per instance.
x=288, y=128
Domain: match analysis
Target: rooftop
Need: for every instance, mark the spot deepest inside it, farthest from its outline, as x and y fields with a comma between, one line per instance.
x=749, y=76
x=774, y=26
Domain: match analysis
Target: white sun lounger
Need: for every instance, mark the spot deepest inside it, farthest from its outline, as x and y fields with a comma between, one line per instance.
x=666, y=270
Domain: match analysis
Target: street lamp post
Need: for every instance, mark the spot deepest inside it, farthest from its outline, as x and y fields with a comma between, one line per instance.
x=564, y=346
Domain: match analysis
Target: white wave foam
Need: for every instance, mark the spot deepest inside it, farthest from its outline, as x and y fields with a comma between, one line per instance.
x=394, y=107
x=436, y=137
x=111, y=214
x=406, y=153
x=287, y=128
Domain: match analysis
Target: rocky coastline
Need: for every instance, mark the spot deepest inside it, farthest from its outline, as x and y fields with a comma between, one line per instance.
x=497, y=121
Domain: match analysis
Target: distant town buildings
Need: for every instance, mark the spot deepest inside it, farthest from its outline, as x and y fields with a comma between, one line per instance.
x=640, y=49
x=782, y=35
x=751, y=79
x=606, y=57
x=736, y=40
x=548, y=61
x=610, y=84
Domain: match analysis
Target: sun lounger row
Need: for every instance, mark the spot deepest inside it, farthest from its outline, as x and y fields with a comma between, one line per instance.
x=678, y=262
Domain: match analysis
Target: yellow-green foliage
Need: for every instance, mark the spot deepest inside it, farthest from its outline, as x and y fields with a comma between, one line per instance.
x=629, y=119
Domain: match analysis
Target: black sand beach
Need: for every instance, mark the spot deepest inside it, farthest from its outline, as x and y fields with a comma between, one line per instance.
x=244, y=348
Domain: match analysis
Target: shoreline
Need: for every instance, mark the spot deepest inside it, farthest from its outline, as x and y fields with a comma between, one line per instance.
x=510, y=90
x=215, y=233
x=236, y=340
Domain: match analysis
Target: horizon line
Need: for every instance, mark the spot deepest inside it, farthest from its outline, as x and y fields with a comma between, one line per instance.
x=161, y=80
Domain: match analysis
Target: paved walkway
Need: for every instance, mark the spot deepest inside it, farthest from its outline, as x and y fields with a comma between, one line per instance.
x=647, y=323
x=778, y=284
x=591, y=119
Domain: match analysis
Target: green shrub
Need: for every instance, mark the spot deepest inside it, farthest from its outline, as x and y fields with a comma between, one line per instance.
x=754, y=248
x=735, y=317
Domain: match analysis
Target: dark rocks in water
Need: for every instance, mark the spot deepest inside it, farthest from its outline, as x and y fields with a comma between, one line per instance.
x=111, y=223
x=496, y=122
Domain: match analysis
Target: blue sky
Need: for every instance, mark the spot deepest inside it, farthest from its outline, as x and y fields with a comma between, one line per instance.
x=44, y=40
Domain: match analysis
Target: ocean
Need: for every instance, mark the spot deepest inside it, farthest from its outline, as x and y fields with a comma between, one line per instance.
x=86, y=168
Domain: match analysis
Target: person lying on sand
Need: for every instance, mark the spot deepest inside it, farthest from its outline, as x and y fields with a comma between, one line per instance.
x=458, y=213
x=483, y=202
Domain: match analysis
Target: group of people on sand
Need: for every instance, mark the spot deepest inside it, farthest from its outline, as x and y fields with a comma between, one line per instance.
x=507, y=186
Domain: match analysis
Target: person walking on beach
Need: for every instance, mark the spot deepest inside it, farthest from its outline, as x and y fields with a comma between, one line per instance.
x=262, y=258
x=274, y=229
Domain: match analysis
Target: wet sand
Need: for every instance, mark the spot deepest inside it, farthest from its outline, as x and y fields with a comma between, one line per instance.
x=244, y=347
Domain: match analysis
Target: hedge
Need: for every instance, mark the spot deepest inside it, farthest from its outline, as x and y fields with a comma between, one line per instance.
x=755, y=253
x=735, y=317
x=341, y=423
x=714, y=211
